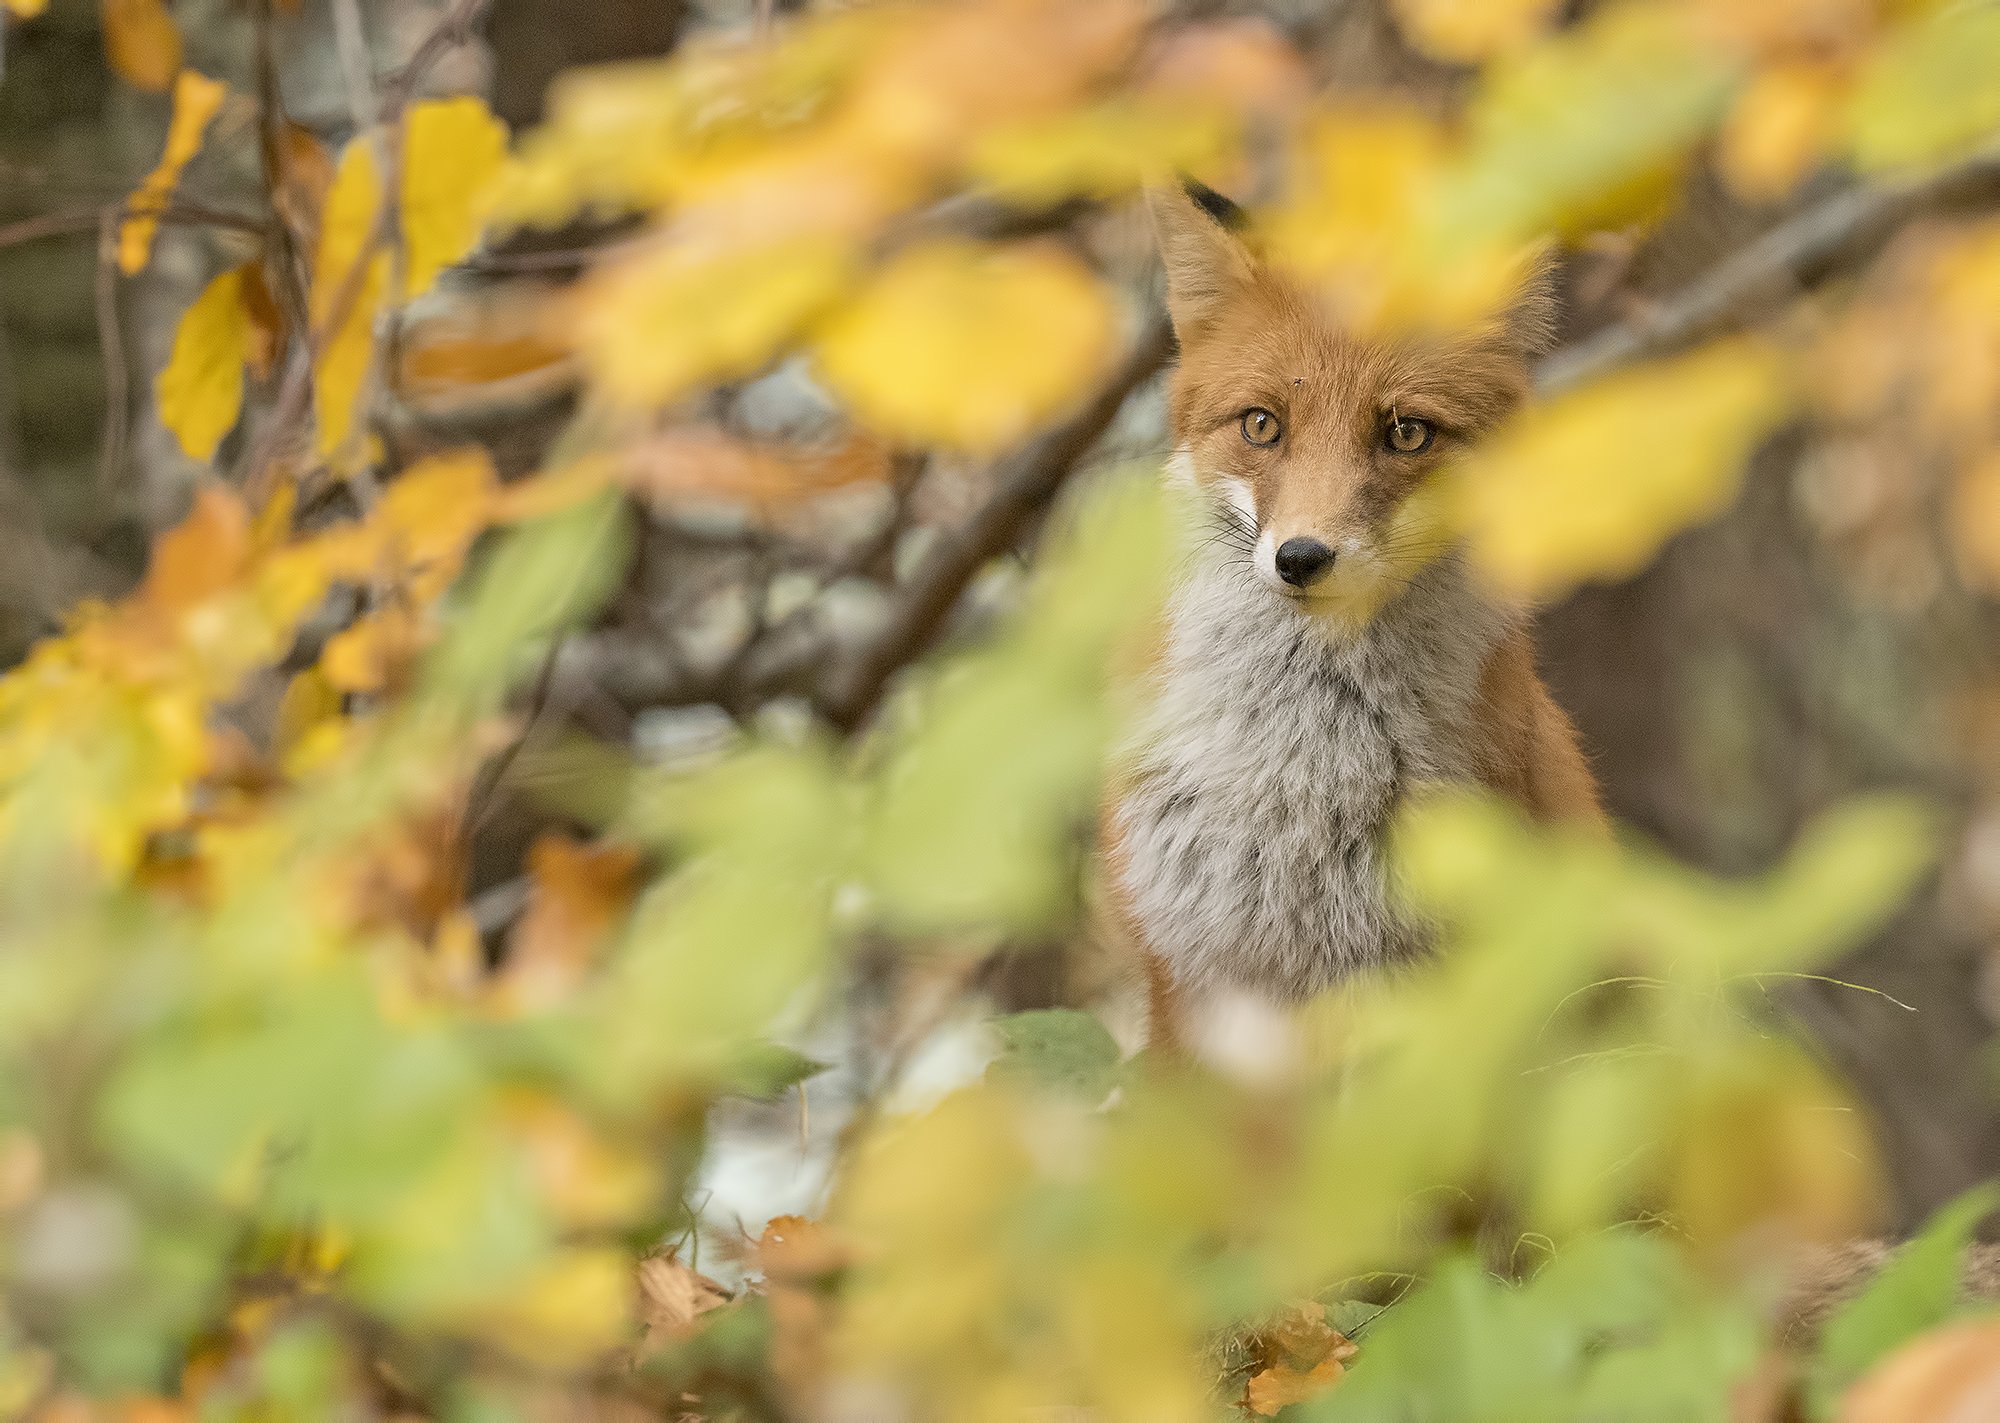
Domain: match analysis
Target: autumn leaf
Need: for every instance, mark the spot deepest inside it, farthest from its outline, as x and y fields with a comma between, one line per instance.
x=346, y=297
x=200, y=390
x=26, y=9
x=196, y=102
x=1591, y=484
x=142, y=42
x=569, y=1312
x=453, y=151
x=969, y=346
x=203, y=555
x=1467, y=31
x=1304, y=1355
x=1950, y=1375
x=1783, y=123
x=653, y=326
x=1976, y=521
x=672, y=1297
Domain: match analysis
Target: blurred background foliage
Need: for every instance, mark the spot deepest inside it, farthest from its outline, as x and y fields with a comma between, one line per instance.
x=570, y=575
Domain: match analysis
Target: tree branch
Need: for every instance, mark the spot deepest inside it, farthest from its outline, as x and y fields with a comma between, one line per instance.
x=1794, y=256
x=1022, y=491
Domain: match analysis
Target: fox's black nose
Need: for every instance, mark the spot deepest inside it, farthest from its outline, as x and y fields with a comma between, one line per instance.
x=1302, y=560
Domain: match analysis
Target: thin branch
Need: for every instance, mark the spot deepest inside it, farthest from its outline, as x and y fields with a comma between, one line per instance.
x=1022, y=491
x=111, y=346
x=1796, y=255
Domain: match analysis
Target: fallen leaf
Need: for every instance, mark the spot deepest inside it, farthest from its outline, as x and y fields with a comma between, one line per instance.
x=967, y=345
x=196, y=102
x=1281, y=1385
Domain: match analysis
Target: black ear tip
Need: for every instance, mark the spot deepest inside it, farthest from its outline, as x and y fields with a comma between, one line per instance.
x=1226, y=211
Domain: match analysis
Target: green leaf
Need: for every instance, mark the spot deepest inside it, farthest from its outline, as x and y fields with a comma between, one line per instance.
x=1058, y=1049
x=1917, y=1290
x=769, y=1071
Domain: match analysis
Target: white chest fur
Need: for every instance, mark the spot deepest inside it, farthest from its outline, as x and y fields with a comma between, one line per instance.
x=1266, y=776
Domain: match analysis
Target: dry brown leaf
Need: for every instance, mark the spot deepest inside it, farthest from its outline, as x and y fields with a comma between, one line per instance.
x=305, y=173
x=1950, y=1375
x=672, y=1297
x=708, y=465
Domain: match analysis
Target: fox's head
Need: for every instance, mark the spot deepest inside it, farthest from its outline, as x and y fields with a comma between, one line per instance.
x=1317, y=447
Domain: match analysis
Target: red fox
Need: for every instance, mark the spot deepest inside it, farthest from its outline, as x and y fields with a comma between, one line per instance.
x=1326, y=652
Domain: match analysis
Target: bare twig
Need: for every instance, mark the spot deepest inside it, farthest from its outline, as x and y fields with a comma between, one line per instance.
x=1794, y=256
x=1021, y=494
x=111, y=345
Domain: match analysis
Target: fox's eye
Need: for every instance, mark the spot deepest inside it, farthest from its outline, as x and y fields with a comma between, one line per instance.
x=1260, y=426
x=1407, y=435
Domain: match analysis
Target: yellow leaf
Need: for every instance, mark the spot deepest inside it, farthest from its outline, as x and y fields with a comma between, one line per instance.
x=653, y=327
x=1591, y=484
x=1780, y=126
x=569, y=1312
x=200, y=391
x=142, y=42
x=1467, y=31
x=969, y=346
x=27, y=9
x=434, y=511
x=1927, y=91
x=453, y=152
x=1102, y=151
x=196, y=100
x=346, y=337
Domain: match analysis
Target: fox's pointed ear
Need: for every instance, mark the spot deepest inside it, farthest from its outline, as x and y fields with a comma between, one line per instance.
x=1532, y=316
x=1206, y=263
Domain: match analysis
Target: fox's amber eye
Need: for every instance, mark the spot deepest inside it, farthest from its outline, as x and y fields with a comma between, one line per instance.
x=1407, y=435
x=1260, y=426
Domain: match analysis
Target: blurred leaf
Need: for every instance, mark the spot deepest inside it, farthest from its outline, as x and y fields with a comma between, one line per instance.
x=989, y=773
x=453, y=150
x=349, y=284
x=1109, y=149
x=1466, y=31
x=196, y=101
x=1586, y=129
x=200, y=391
x=694, y=465
x=1944, y=1376
x=968, y=346
x=1783, y=123
x=1918, y=1290
x=1928, y=92
x=1592, y=483
x=654, y=325
x=1058, y=1049
x=142, y=43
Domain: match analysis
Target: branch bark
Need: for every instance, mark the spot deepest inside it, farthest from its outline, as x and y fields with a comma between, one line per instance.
x=1796, y=255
